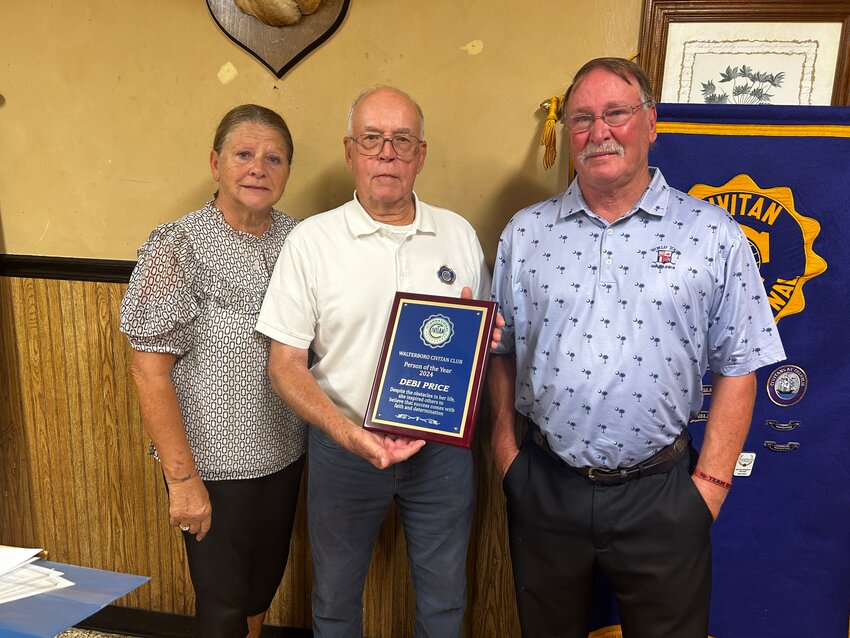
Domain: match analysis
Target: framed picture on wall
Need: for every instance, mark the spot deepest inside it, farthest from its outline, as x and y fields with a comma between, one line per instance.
x=747, y=51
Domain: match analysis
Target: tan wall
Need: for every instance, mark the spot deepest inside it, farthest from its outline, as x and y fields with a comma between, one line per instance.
x=110, y=108
x=106, y=116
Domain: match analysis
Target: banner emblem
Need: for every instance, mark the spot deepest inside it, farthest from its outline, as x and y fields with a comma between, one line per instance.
x=781, y=238
x=787, y=385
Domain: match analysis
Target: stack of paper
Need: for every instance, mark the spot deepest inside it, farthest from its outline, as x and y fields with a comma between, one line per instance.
x=19, y=578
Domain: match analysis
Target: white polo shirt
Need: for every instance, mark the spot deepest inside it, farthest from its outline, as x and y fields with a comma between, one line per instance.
x=334, y=282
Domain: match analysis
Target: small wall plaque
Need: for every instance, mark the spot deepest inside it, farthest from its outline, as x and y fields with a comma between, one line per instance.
x=278, y=48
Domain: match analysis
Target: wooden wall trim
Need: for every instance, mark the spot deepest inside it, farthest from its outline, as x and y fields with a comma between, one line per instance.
x=76, y=478
x=66, y=268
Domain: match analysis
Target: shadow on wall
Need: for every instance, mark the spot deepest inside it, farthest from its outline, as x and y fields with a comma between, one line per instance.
x=521, y=190
x=2, y=238
x=327, y=189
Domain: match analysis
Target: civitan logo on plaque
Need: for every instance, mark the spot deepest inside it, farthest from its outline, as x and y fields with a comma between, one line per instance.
x=429, y=379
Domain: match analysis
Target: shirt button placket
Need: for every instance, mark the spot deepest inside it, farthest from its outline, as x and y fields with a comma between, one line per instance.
x=400, y=270
x=606, y=265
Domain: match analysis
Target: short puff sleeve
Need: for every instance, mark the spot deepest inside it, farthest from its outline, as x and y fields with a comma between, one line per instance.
x=161, y=301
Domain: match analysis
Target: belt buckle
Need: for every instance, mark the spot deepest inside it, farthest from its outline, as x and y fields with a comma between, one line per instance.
x=599, y=475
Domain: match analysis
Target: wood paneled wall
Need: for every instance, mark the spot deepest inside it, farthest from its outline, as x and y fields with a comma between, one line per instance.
x=75, y=477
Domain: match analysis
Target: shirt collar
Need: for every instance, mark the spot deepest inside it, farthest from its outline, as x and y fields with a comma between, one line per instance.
x=361, y=224
x=653, y=201
x=657, y=194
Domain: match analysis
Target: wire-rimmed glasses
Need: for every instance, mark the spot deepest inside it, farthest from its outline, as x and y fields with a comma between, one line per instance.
x=614, y=117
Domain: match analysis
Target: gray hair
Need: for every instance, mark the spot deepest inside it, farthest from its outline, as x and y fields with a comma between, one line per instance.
x=624, y=69
x=375, y=89
x=252, y=114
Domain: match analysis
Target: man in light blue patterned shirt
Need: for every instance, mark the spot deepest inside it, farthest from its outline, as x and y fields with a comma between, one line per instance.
x=618, y=295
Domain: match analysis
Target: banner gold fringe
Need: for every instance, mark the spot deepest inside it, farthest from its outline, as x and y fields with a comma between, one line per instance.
x=549, y=140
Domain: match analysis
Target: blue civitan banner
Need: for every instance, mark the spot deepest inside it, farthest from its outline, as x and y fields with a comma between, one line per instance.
x=427, y=379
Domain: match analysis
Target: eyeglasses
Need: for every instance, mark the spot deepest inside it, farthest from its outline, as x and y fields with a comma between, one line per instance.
x=370, y=144
x=616, y=116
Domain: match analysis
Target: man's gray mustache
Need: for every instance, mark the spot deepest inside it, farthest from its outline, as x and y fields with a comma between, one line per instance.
x=607, y=147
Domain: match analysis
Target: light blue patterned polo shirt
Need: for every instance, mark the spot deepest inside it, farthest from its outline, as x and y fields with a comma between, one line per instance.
x=613, y=325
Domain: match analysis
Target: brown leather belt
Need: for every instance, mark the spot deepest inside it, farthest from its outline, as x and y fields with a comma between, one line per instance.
x=659, y=463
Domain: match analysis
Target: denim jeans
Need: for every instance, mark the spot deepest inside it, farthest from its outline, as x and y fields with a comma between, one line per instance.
x=348, y=500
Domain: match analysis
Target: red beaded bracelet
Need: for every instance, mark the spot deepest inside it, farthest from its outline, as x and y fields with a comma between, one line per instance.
x=712, y=479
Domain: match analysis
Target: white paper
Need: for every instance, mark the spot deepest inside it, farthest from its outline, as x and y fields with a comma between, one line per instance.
x=30, y=580
x=13, y=557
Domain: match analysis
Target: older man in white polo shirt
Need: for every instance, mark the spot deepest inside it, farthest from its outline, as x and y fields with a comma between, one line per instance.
x=331, y=293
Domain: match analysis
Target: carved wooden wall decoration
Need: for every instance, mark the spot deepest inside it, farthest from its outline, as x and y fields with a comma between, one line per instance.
x=278, y=48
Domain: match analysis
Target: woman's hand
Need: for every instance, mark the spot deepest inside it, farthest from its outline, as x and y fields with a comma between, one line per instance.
x=189, y=503
x=189, y=507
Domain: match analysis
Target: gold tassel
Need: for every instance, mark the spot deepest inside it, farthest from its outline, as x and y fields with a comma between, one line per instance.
x=549, y=140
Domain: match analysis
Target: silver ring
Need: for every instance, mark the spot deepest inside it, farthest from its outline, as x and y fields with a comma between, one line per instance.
x=185, y=528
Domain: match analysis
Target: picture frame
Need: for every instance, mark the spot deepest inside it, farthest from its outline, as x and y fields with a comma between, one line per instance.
x=757, y=51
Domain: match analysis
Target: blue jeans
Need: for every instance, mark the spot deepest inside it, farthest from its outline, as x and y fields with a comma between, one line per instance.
x=347, y=500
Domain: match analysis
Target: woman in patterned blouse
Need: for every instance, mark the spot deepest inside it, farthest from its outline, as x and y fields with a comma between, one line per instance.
x=231, y=451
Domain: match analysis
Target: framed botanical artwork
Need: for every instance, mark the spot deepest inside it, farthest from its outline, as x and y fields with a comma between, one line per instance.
x=747, y=51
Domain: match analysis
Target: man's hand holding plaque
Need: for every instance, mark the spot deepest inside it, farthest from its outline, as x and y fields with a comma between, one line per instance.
x=382, y=450
x=496, y=334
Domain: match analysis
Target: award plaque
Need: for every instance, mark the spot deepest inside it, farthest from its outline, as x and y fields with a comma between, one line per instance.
x=429, y=378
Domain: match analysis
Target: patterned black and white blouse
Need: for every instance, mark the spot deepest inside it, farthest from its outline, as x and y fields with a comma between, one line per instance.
x=196, y=292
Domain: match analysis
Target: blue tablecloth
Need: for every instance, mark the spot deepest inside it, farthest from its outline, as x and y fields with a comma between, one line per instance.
x=45, y=615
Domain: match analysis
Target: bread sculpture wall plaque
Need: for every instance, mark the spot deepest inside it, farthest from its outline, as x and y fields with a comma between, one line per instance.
x=279, y=33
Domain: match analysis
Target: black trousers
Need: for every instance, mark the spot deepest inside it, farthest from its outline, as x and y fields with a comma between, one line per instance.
x=650, y=537
x=237, y=568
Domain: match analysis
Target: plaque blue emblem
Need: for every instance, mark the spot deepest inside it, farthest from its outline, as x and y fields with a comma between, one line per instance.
x=436, y=331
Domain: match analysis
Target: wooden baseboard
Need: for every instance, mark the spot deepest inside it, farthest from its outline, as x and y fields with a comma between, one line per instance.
x=154, y=624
